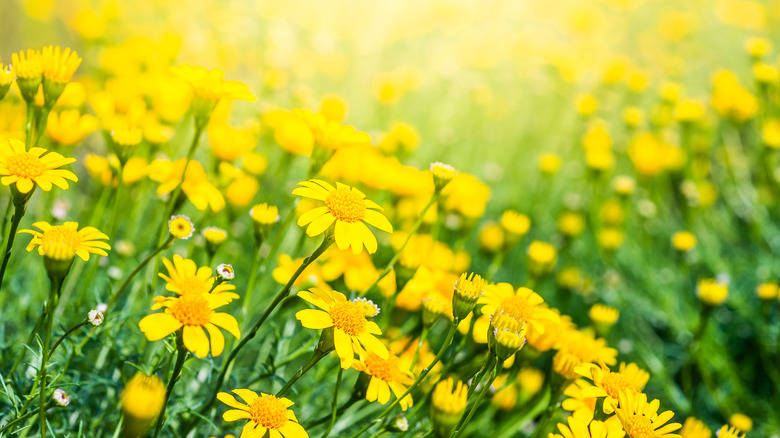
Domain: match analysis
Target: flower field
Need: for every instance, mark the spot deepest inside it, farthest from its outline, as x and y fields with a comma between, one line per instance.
x=446, y=219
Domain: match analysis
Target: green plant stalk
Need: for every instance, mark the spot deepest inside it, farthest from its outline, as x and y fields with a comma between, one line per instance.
x=465, y=421
x=136, y=271
x=557, y=385
x=316, y=357
x=28, y=127
x=490, y=361
x=423, y=337
x=26, y=416
x=51, y=306
x=43, y=122
x=397, y=255
x=181, y=356
x=283, y=293
x=65, y=335
x=334, y=406
x=418, y=381
x=18, y=214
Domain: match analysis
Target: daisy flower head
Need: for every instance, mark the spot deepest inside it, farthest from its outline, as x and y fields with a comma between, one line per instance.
x=347, y=208
x=33, y=168
x=727, y=431
x=181, y=226
x=265, y=412
x=29, y=73
x=387, y=376
x=641, y=419
x=209, y=88
x=6, y=77
x=442, y=175
x=695, y=428
x=59, y=244
x=264, y=217
x=447, y=405
x=185, y=277
x=58, y=67
x=194, y=314
x=609, y=384
x=142, y=400
x=468, y=289
x=351, y=329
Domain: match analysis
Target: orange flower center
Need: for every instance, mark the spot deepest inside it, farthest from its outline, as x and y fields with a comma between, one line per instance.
x=381, y=368
x=268, y=411
x=60, y=243
x=346, y=205
x=613, y=383
x=349, y=317
x=25, y=165
x=639, y=427
x=192, y=309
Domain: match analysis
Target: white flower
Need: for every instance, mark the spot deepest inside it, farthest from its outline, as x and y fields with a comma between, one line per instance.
x=225, y=272
x=61, y=398
x=95, y=317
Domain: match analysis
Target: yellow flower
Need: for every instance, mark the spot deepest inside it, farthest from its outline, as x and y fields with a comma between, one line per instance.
x=770, y=132
x=610, y=384
x=59, y=65
x=711, y=292
x=348, y=208
x=695, y=428
x=468, y=289
x=29, y=73
x=741, y=422
x=70, y=126
x=757, y=47
x=387, y=375
x=195, y=313
x=491, y=238
x=229, y=143
x=442, y=175
x=603, y=316
x=82, y=242
x=580, y=428
x=641, y=419
x=196, y=185
x=447, y=405
x=586, y=104
x=185, y=277
x=351, y=329
x=286, y=267
x=143, y=396
x=333, y=107
x=331, y=134
x=541, y=257
x=209, y=85
x=523, y=305
x=265, y=412
x=729, y=432
x=571, y=223
x=549, y=163
x=515, y=224
x=610, y=238
x=181, y=227
x=767, y=291
x=32, y=168
x=683, y=241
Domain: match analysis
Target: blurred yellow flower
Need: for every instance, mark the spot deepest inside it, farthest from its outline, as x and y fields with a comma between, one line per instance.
x=69, y=127
x=711, y=292
x=683, y=241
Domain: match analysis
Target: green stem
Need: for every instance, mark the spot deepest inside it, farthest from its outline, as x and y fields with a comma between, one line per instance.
x=301, y=371
x=28, y=128
x=423, y=337
x=418, y=381
x=490, y=361
x=136, y=271
x=482, y=393
x=334, y=404
x=65, y=335
x=326, y=242
x=18, y=214
x=42, y=123
x=397, y=254
x=13, y=423
x=181, y=355
x=51, y=307
x=251, y=285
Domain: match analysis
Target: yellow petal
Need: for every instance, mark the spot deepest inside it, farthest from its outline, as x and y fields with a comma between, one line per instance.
x=314, y=319
x=196, y=341
x=158, y=325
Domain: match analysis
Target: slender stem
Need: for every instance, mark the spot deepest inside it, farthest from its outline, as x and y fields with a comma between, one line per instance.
x=482, y=393
x=51, y=307
x=397, y=254
x=301, y=371
x=18, y=213
x=28, y=128
x=65, y=335
x=283, y=293
x=181, y=356
x=557, y=385
x=42, y=123
x=251, y=285
x=13, y=423
x=490, y=361
x=137, y=270
x=418, y=381
x=423, y=337
x=334, y=404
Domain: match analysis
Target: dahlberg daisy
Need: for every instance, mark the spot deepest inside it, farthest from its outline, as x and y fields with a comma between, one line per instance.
x=351, y=329
x=28, y=169
x=346, y=207
x=265, y=412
